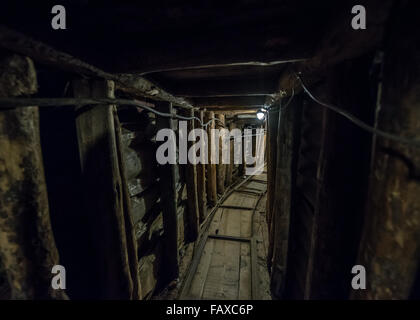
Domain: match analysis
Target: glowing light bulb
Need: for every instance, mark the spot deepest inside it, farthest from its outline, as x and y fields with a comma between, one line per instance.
x=260, y=115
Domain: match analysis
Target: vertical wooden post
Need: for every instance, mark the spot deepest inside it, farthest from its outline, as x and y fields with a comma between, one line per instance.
x=191, y=181
x=104, y=203
x=170, y=264
x=221, y=168
x=284, y=183
x=390, y=247
x=201, y=177
x=273, y=123
x=231, y=163
x=320, y=205
x=211, y=167
x=132, y=250
x=27, y=246
x=241, y=168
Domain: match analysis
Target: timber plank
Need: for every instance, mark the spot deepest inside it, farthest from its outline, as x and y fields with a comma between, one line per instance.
x=245, y=292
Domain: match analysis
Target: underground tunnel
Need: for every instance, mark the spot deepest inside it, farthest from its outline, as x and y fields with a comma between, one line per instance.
x=209, y=150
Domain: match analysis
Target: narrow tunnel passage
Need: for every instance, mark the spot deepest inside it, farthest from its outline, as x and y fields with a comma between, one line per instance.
x=210, y=151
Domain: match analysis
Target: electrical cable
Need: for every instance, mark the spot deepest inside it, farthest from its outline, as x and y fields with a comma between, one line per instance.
x=291, y=98
x=359, y=122
x=8, y=103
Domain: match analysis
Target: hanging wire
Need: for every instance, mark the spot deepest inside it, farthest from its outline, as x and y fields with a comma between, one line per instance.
x=359, y=122
x=291, y=97
x=9, y=103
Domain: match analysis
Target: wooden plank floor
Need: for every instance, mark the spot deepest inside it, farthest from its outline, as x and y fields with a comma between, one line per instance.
x=224, y=270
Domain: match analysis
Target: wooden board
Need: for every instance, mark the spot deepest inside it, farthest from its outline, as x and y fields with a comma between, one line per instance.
x=225, y=267
x=223, y=277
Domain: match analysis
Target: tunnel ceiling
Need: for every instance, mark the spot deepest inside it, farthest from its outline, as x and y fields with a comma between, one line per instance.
x=222, y=54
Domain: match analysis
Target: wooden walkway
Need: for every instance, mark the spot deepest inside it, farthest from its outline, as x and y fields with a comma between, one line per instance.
x=230, y=260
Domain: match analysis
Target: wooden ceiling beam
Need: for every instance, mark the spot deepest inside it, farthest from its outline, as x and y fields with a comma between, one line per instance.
x=225, y=88
x=232, y=109
x=230, y=102
x=44, y=54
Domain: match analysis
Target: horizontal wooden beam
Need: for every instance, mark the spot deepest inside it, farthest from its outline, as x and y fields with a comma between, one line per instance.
x=234, y=109
x=225, y=206
x=226, y=87
x=44, y=54
x=230, y=238
x=240, y=101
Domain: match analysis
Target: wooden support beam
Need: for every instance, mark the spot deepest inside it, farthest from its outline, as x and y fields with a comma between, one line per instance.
x=201, y=175
x=27, y=246
x=230, y=166
x=253, y=193
x=390, y=246
x=287, y=138
x=231, y=238
x=170, y=264
x=272, y=124
x=259, y=181
x=231, y=102
x=101, y=175
x=222, y=87
x=191, y=181
x=221, y=168
x=226, y=206
x=232, y=109
x=132, y=253
x=251, y=189
x=42, y=53
x=211, y=175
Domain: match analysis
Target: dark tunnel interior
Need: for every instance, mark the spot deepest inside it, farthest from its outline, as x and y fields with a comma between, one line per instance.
x=209, y=150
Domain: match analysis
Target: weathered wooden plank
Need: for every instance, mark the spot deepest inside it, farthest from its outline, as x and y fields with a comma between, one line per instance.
x=390, y=246
x=143, y=202
x=40, y=52
x=197, y=286
x=287, y=142
x=167, y=175
x=181, y=226
x=223, y=276
x=227, y=206
x=27, y=246
x=246, y=223
x=211, y=175
x=247, y=203
x=229, y=169
x=191, y=182
x=254, y=269
x=129, y=224
x=221, y=168
x=147, y=275
x=102, y=180
x=216, y=221
x=251, y=193
x=201, y=176
x=227, y=237
x=318, y=209
x=245, y=289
